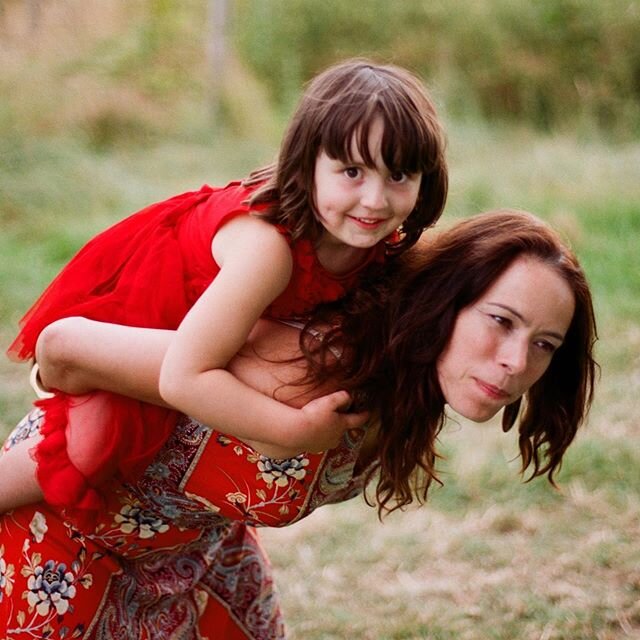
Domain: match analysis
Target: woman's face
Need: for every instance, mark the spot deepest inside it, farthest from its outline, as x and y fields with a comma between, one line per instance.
x=503, y=342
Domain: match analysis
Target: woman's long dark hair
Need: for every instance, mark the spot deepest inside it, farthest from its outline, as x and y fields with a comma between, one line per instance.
x=393, y=331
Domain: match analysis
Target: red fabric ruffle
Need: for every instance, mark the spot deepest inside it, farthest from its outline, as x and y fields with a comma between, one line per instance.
x=112, y=277
x=134, y=273
x=135, y=433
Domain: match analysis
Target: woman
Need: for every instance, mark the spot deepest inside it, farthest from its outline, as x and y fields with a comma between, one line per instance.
x=495, y=312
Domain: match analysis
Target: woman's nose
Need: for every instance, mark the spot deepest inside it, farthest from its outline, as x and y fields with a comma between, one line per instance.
x=373, y=194
x=514, y=355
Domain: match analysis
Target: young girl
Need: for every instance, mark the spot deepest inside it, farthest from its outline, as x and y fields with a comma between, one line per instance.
x=360, y=174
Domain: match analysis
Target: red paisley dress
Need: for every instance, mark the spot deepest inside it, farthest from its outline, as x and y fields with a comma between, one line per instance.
x=147, y=271
x=174, y=554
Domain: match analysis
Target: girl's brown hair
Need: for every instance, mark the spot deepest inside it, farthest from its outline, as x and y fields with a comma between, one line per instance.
x=339, y=106
x=394, y=330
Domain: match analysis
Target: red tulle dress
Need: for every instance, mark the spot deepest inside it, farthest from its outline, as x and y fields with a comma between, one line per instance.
x=147, y=271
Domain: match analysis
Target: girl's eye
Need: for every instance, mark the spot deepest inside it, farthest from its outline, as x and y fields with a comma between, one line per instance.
x=352, y=172
x=398, y=177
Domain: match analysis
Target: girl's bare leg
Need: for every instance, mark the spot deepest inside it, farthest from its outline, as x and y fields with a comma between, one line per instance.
x=18, y=484
x=88, y=435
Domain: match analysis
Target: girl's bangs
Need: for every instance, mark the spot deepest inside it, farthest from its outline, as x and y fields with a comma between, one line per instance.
x=405, y=147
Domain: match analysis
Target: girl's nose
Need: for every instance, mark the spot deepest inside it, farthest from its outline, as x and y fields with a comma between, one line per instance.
x=374, y=194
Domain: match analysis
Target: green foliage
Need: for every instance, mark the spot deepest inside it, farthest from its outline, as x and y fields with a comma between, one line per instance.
x=614, y=468
x=121, y=85
x=571, y=63
x=611, y=256
x=287, y=42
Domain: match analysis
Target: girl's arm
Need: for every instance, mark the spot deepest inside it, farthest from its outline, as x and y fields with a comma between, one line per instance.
x=78, y=355
x=255, y=267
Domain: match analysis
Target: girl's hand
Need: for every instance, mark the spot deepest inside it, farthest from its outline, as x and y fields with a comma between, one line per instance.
x=325, y=421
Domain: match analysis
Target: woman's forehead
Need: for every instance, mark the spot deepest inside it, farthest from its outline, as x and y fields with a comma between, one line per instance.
x=536, y=291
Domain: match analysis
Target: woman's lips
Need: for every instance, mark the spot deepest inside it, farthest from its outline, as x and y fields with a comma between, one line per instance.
x=492, y=390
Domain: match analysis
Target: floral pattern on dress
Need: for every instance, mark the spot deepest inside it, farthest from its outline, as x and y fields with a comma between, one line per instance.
x=28, y=427
x=174, y=554
x=46, y=606
x=49, y=586
x=259, y=490
x=133, y=519
x=280, y=471
x=38, y=526
x=7, y=572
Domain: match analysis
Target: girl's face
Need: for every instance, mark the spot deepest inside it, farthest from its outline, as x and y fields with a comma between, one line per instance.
x=357, y=205
x=503, y=342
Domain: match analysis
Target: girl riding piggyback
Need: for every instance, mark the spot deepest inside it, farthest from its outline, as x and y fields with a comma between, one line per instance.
x=360, y=174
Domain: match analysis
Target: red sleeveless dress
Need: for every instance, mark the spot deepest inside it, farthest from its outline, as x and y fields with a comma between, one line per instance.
x=147, y=271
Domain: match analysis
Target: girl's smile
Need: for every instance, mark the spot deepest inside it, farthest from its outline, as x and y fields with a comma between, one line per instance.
x=367, y=223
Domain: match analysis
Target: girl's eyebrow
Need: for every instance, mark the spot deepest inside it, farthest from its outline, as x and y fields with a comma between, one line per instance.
x=517, y=314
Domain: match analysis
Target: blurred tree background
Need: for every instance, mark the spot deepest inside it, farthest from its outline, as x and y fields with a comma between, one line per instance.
x=146, y=68
x=551, y=63
x=106, y=106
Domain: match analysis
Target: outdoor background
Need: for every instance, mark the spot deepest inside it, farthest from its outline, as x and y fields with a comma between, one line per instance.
x=106, y=106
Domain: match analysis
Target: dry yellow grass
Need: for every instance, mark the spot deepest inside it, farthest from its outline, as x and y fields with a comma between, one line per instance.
x=503, y=565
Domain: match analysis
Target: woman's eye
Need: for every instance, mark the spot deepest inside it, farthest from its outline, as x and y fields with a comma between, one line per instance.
x=548, y=347
x=501, y=320
x=352, y=172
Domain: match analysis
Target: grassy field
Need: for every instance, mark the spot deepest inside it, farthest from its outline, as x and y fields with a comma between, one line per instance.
x=489, y=557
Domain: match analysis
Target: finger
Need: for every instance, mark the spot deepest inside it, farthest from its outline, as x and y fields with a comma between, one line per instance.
x=355, y=420
x=338, y=400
